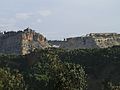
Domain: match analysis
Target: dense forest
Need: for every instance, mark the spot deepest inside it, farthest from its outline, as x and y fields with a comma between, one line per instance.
x=61, y=69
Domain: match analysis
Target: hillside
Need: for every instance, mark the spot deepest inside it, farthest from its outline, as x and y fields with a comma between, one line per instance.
x=60, y=69
x=21, y=42
x=92, y=40
x=26, y=41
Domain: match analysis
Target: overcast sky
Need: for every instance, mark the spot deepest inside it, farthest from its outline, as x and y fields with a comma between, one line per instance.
x=58, y=19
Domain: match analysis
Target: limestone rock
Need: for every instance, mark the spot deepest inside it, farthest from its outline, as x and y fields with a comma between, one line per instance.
x=21, y=42
x=92, y=40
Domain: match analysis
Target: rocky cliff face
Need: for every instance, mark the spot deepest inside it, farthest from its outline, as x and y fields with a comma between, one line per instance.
x=21, y=42
x=106, y=40
x=10, y=42
x=93, y=40
x=32, y=40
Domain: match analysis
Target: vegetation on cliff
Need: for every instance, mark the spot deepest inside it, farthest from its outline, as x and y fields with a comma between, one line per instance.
x=59, y=69
x=46, y=72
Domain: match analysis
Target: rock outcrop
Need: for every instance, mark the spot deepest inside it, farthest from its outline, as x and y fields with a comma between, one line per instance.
x=93, y=40
x=21, y=42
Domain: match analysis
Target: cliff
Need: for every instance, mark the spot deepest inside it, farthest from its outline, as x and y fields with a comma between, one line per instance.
x=92, y=40
x=21, y=42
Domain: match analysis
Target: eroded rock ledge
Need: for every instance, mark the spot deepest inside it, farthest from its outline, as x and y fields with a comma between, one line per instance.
x=21, y=42
x=92, y=40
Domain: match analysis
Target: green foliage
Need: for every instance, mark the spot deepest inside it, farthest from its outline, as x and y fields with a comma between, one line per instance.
x=59, y=69
x=94, y=60
x=49, y=73
x=11, y=80
x=71, y=77
x=110, y=86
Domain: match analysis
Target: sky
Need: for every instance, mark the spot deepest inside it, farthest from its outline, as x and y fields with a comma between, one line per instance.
x=59, y=19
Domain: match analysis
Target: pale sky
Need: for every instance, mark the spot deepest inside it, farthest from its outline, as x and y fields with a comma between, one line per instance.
x=58, y=19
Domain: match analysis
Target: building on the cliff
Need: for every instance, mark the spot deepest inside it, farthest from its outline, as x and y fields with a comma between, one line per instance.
x=92, y=40
x=21, y=42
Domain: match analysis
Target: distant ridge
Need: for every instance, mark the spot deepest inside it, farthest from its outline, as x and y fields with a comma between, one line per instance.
x=92, y=40
x=26, y=41
x=21, y=42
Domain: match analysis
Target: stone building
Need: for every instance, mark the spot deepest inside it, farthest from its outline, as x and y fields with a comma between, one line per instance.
x=21, y=42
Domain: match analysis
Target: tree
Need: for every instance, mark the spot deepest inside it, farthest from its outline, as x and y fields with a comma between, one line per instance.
x=11, y=80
